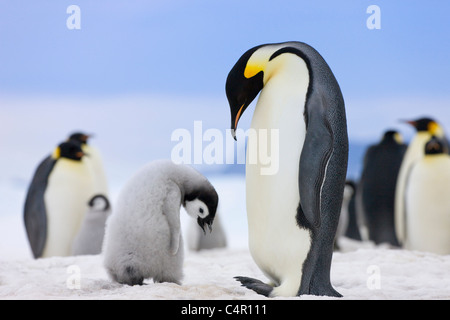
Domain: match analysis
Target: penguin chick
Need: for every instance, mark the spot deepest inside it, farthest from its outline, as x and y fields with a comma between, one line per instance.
x=89, y=239
x=143, y=235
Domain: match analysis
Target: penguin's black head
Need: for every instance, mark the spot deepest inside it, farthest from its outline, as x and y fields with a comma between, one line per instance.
x=203, y=205
x=242, y=89
x=79, y=137
x=435, y=146
x=392, y=136
x=69, y=150
x=425, y=124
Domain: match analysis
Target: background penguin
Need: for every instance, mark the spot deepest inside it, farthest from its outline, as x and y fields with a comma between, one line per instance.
x=292, y=213
x=428, y=201
x=376, y=191
x=93, y=158
x=426, y=128
x=353, y=228
x=56, y=201
x=198, y=240
x=89, y=239
x=346, y=214
x=143, y=235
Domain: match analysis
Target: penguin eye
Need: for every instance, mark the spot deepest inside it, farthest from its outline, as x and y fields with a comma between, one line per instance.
x=200, y=210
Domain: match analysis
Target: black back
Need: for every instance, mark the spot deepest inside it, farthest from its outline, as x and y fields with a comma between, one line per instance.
x=35, y=213
x=376, y=189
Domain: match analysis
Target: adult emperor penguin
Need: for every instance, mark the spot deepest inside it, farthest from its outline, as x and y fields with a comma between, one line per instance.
x=143, y=235
x=56, y=201
x=427, y=199
x=94, y=159
x=375, y=196
x=425, y=129
x=293, y=212
x=89, y=239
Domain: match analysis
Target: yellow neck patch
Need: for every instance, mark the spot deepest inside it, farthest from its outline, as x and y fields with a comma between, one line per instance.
x=435, y=129
x=56, y=153
x=398, y=138
x=252, y=70
x=258, y=61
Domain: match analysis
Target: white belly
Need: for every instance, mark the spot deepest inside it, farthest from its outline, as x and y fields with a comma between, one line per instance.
x=277, y=244
x=69, y=189
x=428, y=206
x=413, y=154
x=94, y=159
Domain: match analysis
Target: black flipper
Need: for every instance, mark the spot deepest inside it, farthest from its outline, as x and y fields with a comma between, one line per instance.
x=317, y=150
x=323, y=165
x=35, y=213
x=256, y=285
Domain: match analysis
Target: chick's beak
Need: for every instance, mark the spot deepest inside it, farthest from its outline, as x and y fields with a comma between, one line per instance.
x=202, y=223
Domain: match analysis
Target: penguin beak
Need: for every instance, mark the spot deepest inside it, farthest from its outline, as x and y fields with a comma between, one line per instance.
x=80, y=154
x=410, y=122
x=235, y=121
x=241, y=91
x=202, y=223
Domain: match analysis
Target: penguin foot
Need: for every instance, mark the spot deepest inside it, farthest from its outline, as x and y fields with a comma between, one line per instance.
x=321, y=291
x=132, y=277
x=256, y=285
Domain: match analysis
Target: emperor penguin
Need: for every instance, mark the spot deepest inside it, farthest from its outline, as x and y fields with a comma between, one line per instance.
x=376, y=192
x=425, y=129
x=293, y=207
x=344, y=217
x=427, y=201
x=353, y=228
x=89, y=239
x=56, y=201
x=143, y=235
x=94, y=159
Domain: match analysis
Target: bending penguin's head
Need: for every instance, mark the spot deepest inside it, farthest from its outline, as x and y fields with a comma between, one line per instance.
x=241, y=89
x=251, y=72
x=202, y=204
x=69, y=150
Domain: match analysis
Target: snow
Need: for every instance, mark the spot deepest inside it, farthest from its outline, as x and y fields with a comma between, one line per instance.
x=374, y=273
x=360, y=271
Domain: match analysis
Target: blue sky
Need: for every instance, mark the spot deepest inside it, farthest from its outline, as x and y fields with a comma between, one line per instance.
x=188, y=47
x=129, y=58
